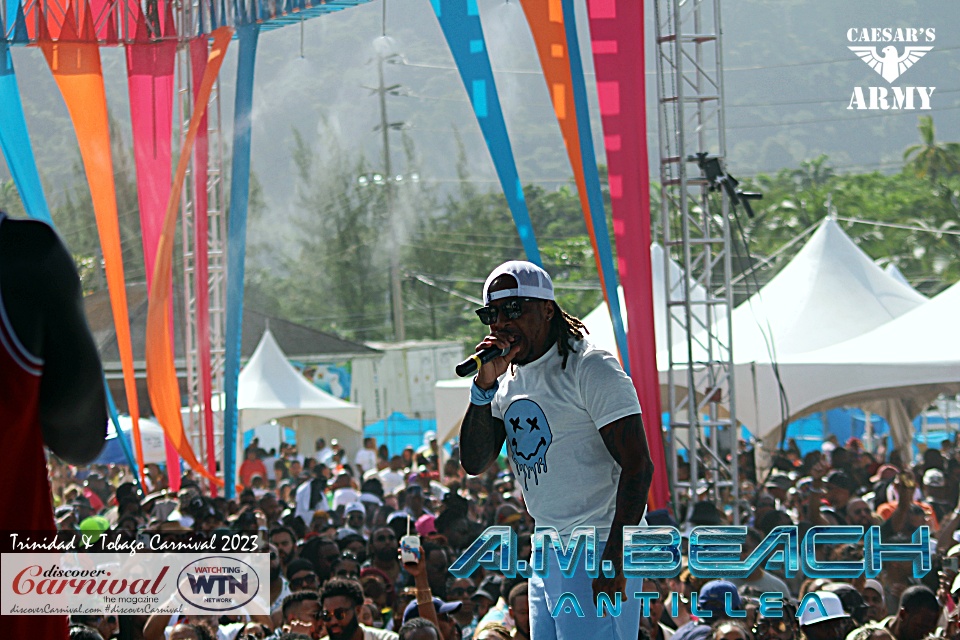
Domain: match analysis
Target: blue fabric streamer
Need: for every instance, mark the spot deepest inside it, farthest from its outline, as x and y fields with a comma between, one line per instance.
x=121, y=437
x=15, y=140
x=237, y=243
x=598, y=214
x=460, y=22
x=16, y=30
x=11, y=11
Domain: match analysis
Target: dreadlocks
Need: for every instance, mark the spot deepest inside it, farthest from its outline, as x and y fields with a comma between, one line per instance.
x=564, y=329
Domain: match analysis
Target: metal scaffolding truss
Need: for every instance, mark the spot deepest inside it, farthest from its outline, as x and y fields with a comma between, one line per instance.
x=115, y=22
x=695, y=232
x=216, y=255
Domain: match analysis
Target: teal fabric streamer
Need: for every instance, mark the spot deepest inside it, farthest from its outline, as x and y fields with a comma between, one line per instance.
x=237, y=243
x=598, y=214
x=16, y=30
x=15, y=140
x=460, y=22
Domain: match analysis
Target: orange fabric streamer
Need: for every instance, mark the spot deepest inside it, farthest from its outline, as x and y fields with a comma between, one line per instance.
x=161, y=373
x=79, y=76
x=545, y=18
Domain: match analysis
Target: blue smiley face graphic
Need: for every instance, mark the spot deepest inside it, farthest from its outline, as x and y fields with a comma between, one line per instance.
x=529, y=437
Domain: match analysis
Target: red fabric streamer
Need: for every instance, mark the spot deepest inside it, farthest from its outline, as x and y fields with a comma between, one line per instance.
x=616, y=27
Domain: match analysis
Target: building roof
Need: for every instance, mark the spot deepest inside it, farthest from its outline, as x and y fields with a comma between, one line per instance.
x=297, y=341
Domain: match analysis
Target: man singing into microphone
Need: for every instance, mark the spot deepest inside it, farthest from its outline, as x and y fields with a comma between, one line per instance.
x=571, y=420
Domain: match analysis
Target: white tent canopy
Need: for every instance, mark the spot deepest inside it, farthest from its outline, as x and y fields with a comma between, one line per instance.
x=452, y=398
x=151, y=437
x=270, y=388
x=830, y=292
x=896, y=273
x=895, y=370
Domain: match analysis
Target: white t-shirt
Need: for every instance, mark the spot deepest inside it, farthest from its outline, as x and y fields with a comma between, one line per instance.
x=366, y=459
x=325, y=455
x=344, y=496
x=284, y=592
x=302, y=499
x=553, y=417
x=391, y=480
x=372, y=633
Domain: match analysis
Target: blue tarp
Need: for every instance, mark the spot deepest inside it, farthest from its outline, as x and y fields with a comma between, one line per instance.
x=398, y=431
x=846, y=423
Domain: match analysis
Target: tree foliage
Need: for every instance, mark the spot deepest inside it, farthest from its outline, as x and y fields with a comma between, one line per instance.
x=930, y=159
x=908, y=219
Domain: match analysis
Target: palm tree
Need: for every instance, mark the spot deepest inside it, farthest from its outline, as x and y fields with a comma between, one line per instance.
x=932, y=160
x=813, y=174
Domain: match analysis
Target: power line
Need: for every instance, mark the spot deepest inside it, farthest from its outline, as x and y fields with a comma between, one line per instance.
x=653, y=72
x=750, y=105
x=859, y=117
x=809, y=63
x=906, y=227
x=787, y=103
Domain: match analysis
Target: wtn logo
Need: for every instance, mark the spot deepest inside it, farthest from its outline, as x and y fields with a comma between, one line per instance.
x=890, y=64
x=207, y=583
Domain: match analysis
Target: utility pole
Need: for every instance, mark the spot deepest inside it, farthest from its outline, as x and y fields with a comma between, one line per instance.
x=396, y=288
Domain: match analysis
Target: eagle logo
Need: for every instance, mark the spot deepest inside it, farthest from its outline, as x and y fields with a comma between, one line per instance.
x=890, y=64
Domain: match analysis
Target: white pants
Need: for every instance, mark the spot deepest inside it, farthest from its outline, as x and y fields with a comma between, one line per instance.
x=545, y=594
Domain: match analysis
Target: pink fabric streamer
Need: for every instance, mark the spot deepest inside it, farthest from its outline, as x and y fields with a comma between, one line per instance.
x=198, y=59
x=104, y=19
x=616, y=29
x=150, y=67
x=150, y=82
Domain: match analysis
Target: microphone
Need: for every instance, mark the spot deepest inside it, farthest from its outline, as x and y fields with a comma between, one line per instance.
x=471, y=364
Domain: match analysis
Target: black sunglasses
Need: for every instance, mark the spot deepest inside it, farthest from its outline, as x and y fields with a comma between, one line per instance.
x=339, y=613
x=513, y=308
x=310, y=578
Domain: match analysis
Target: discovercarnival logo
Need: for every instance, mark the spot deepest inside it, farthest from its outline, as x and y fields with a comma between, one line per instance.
x=890, y=60
x=218, y=583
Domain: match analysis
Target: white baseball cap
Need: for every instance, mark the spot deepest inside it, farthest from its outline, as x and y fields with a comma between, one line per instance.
x=934, y=478
x=532, y=282
x=813, y=613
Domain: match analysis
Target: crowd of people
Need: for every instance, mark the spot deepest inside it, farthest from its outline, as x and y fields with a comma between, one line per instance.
x=333, y=527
